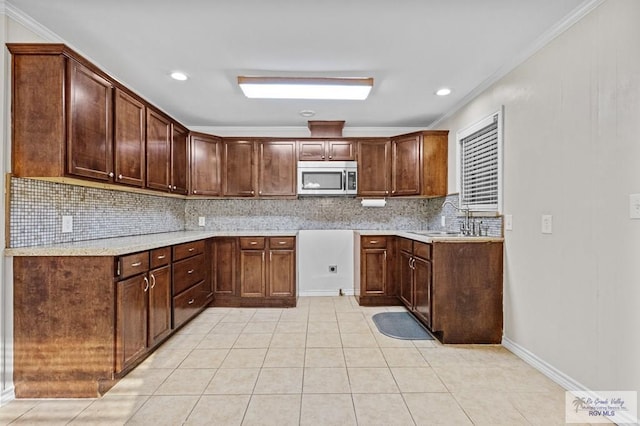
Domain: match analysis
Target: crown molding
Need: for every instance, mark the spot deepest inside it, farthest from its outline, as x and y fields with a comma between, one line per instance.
x=31, y=24
x=542, y=41
x=300, y=131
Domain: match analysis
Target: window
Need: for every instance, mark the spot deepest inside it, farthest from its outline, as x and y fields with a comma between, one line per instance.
x=480, y=164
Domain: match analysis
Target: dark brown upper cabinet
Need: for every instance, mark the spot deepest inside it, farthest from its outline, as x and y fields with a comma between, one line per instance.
x=327, y=150
x=179, y=159
x=158, y=151
x=374, y=168
x=205, y=165
x=276, y=168
x=129, y=139
x=239, y=178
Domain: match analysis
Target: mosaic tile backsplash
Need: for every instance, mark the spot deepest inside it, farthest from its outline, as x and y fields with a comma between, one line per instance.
x=37, y=208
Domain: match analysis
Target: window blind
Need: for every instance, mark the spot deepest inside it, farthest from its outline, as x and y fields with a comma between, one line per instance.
x=480, y=167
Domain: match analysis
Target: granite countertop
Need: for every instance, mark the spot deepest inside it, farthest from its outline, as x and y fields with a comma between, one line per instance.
x=125, y=245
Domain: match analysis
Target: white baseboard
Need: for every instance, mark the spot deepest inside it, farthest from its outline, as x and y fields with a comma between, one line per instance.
x=7, y=396
x=562, y=379
x=325, y=293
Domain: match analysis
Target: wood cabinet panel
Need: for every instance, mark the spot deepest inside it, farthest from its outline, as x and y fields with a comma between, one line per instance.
x=252, y=243
x=252, y=273
x=206, y=165
x=374, y=167
x=282, y=242
x=277, y=168
x=311, y=151
x=406, y=165
x=132, y=312
x=129, y=139
x=159, y=257
x=89, y=124
x=341, y=150
x=133, y=264
x=159, y=305
x=374, y=270
x=435, y=163
x=179, y=159
x=422, y=289
x=182, y=251
x=327, y=150
x=282, y=273
x=188, y=272
x=187, y=304
x=406, y=279
x=158, y=151
x=239, y=174
x=224, y=266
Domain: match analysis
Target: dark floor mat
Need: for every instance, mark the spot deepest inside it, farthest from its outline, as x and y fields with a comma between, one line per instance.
x=400, y=325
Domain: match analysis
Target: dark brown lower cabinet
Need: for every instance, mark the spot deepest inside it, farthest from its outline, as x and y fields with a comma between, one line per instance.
x=377, y=285
x=415, y=278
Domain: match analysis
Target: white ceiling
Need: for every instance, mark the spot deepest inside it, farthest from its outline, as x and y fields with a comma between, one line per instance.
x=410, y=47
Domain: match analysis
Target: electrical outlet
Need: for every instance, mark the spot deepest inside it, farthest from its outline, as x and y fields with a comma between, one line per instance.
x=443, y=221
x=201, y=221
x=67, y=224
x=547, y=224
x=634, y=206
x=508, y=222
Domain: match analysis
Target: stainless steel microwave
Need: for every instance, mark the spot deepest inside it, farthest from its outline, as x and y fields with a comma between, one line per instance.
x=327, y=178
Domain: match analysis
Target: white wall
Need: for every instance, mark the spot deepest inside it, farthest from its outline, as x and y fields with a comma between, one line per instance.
x=572, y=149
x=317, y=249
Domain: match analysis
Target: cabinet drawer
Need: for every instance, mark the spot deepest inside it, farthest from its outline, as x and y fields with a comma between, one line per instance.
x=182, y=251
x=189, y=303
x=282, y=242
x=422, y=250
x=405, y=244
x=373, y=241
x=160, y=257
x=133, y=264
x=188, y=272
x=251, y=243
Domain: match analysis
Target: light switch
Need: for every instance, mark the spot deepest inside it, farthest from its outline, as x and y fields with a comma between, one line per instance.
x=547, y=224
x=508, y=222
x=201, y=221
x=67, y=224
x=634, y=206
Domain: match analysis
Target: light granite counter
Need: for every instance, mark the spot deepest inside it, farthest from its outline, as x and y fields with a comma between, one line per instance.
x=126, y=245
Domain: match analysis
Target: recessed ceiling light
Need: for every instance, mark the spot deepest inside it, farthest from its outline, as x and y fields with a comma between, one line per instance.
x=178, y=75
x=307, y=113
x=305, y=88
x=443, y=92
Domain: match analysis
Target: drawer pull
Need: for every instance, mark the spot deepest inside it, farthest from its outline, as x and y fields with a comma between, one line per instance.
x=282, y=242
x=373, y=241
x=162, y=256
x=190, y=302
x=190, y=271
x=192, y=249
x=135, y=265
x=253, y=243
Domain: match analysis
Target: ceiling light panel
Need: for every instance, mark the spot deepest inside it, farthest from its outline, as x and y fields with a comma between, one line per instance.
x=306, y=88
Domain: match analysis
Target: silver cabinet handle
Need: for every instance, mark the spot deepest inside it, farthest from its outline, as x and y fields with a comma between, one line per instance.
x=253, y=243
x=195, y=192
x=146, y=286
x=120, y=176
x=110, y=174
x=153, y=281
x=190, y=302
x=373, y=241
x=191, y=249
x=282, y=242
x=135, y=265
x=385, y=255
x=169, y=187
x=161, y=256
x=190, y=271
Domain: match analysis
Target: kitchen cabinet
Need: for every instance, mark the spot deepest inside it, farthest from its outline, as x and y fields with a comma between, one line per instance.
x=281, y=266
x=277, y=168
x=159, y=296
x=206, y=165
x=179, y=159
x=374, y=168
x=158, y=151
x=253, y=267
x=377, y=284
x=405, y=165
x=415, y=278
x=223, y=261
x=129, y=139
x=327, y=150
x=239, y=178
x=192, y=290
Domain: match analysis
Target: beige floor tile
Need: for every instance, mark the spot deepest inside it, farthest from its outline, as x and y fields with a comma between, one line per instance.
x=323, y=327
x=239, y=316
x=244, y=358
x=358, y=340
x=327, y=410
x=52, y=412
x=204, y=358
x=350, y=316
x=489, y=408
x=284, y=357
x=186, y=381
x=224, y=410
x=276, y=410
x=268, y=315
x=324, y=357
x=141, y=382
x=291, y=327
x=435, y=409
x=248, y=340
x=323, y=340
x=404, y=357
x=322, y=315
x=229, y=327
x=420, y=344
x=390, y=342
x=372, y=380
x=364, y=357
x=197, y=327
x=459, y=378
x=288, y=340
x=414, y=379
x=298, y=314
x=164, y=410
x=354, y=327
x=381, y=409
x=233, y=381
x=15, y=409
x=183, y=341
x=110, y=410
x=165, y=358
x=217, y=341
x=260, y=327
x=326, y=380
x=529, y=404
x=279, y=381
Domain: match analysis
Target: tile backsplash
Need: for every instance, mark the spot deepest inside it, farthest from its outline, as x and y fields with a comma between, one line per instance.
x=37, y=207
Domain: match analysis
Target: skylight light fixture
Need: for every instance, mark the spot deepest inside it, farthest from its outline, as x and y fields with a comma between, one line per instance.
x=305, y=88
x=443, y=91
x=179, y=75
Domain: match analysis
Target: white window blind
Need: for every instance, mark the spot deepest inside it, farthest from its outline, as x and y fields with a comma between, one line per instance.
x=480, y=165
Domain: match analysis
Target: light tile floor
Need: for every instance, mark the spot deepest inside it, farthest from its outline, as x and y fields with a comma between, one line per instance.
x=321, y=363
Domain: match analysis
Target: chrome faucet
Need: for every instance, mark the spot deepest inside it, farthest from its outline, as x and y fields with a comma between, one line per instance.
x=466, y=228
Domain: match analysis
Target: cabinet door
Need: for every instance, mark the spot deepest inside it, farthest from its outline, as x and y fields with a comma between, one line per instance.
x=374, y=272
x=405, y=166
x=281, y=273
x=422, y=289
x=131, y=333
x=239, y=175
x=129, y=140
x=374, y=162
x=252, y=273
x=89, y=124
x=406, y=279
x=158, y=151
x=341, y=150
x=159, y=304
x=224, y=266
x=179, y=159
x=205, y=165
x=312, y=151
x=277, y=168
